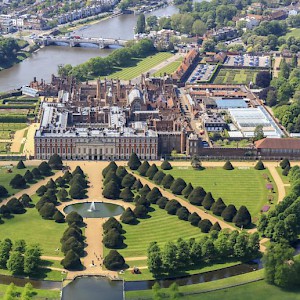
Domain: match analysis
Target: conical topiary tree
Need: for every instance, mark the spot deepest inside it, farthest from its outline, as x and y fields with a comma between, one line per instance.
x=71, y=261
x=21, y=165
x=28, y=176
x=152, y=171
x=208, y=201
x=153, y=195
x=137, y=185
x=128, y=180
x=284, y=163
x=55, y=162
x=228, y=213
x=172, y=206
x=216, y=227
x=242, y=217
x=187, y=190
x=111, y=190
x=182, y=213
x=228, y=165
x=259, y=165
x=205, y=225
x=166, y=165
x=67, y=176
x=162, y=202
x=143, y=168
x=127, y=195
x=76, y=192
x=167, y=181
x=218, y=207
x=140, y=211
x=111, y=166
x=197, y=195
x=194, y=219
x=62, y=194
x=45, y=169
x=177, y=186
x=158, y=177
x=286, y=170
x=58, y=217
x=134, y=162
x=111, y=176
x=128, y=217
x=114, y=260
x=121, y=172
x=144, y=190
x=36, y=173
x=112, y=223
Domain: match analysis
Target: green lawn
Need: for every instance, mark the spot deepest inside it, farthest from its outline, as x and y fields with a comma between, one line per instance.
x=4, y=147
x=141, y=66
x=295, y=32
x=168, y=69
x=285, y=179
x=233, y=144
x=5, y=177
x=33, y=229
x=160, y=227
x=38, y=294
x=235, y=76
x=12, y=126
x=239, y=186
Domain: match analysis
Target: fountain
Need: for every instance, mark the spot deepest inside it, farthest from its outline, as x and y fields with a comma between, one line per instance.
x=92, y=207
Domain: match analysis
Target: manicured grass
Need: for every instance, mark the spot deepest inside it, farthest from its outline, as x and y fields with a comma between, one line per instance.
x=250, y=291
x=4, y=147
x=295, y=32
x=160, y=227
x=168, y=69
x=203, y=287
x=232, y=144
x=38, y=294
x=235, y=76
x=33, y=229
x=5, y=177
x=141, y=66
x=239, y=186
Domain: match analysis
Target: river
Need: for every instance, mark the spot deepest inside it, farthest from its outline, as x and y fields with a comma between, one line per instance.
x=45, y=62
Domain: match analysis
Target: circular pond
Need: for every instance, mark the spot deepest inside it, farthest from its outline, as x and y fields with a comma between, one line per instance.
x=95, y=209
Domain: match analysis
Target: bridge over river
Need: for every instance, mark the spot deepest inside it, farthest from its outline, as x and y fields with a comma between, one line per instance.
x=80, y=42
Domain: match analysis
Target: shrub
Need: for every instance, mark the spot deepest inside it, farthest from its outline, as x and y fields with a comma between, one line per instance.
x=259, y=165
x=284, y=163
x=152, y=171
x=71, y=261
x=172, y=206
x=162, y=202
x=128, y=181
x=137, y=185
x=44, y=169
x=167, y=181
x=208, y=201
x=216, y=227
x=55, y=162
x=15, y=206
x=140, y=211
x=3, y=191
x=194, y=219
x=128, y=217
x=242, y=217
x=134, y=162
x=74, y=217
x=113, y=239
x=41, y=190
x=228, y=213
x=20, y=165
x=228, y=165
x=177, y=186
x=48, y=210
x=58, y=217
x=114, y=260
x=182, y=213
x=144, y=190
x=112, y=223
x=28, y=176
x=153, y=195
x=205, y=225
x=111, y=166
x=127, y=195
x=218, y=207
x=121, y=172
x=166, y=165
x=286, y=170
x=143, y=168
x=111, y=190
x=158, y=177
x=18, y=182
x=187, y=190
x=197, y=196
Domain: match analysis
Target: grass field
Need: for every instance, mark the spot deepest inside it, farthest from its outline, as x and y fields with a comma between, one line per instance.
x=141, y=66
x=239, y=186
x=235, y=76
x=160, y=228
x=295, y=32
x=5, y=177
x=31, y=227
x=168, y=69
x=232, y=144
x=285, y=179
x=3, y=148
x=38, y=294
